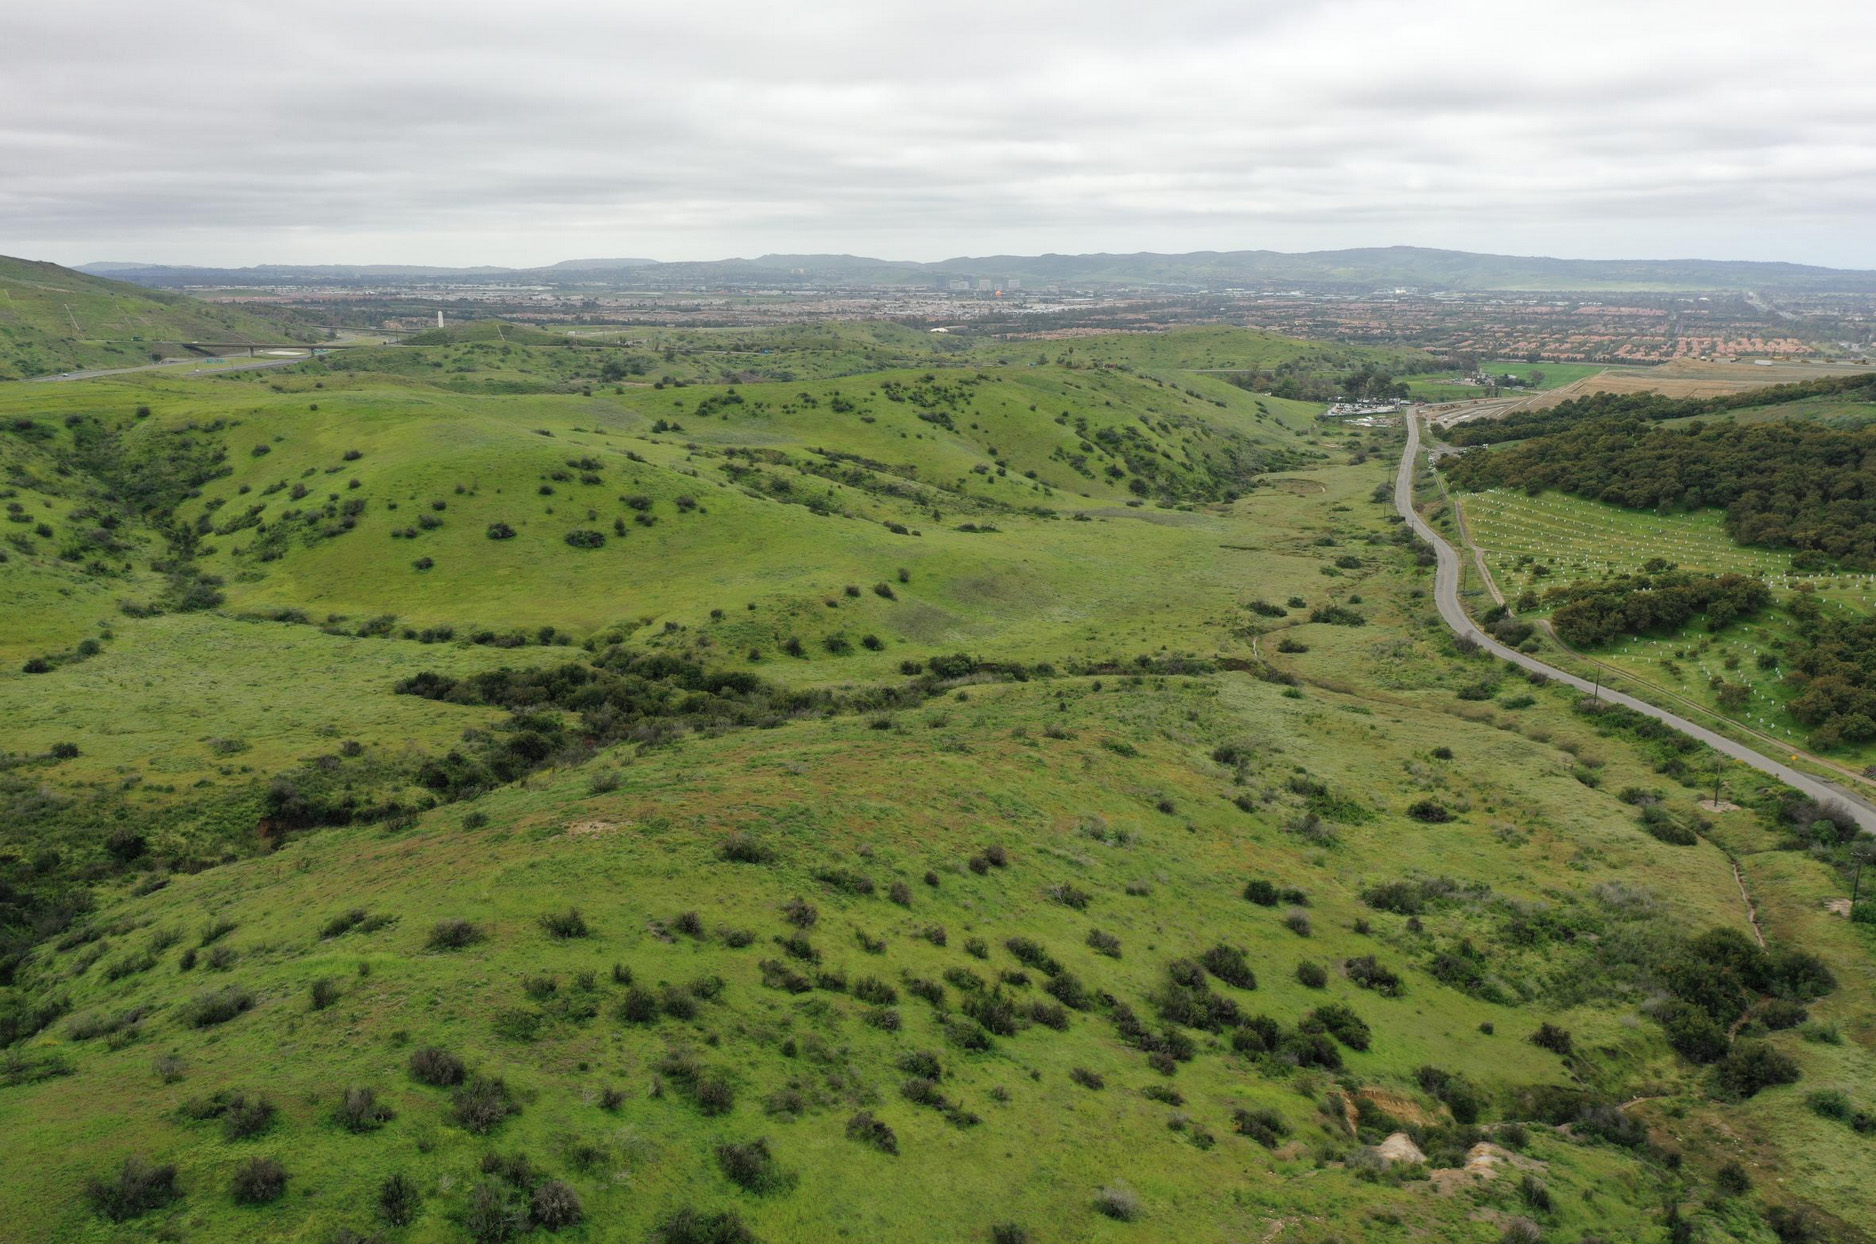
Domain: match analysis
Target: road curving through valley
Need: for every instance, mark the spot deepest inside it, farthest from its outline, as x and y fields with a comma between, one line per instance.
x=1446, y=596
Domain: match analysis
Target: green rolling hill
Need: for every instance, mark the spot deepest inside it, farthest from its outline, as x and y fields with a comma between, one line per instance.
x=53, y=319
x=453, y=794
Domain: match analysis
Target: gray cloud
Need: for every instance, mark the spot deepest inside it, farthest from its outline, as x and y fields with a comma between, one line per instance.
x=471, y=131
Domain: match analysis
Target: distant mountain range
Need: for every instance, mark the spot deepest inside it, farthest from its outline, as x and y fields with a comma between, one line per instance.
x=1362, y=270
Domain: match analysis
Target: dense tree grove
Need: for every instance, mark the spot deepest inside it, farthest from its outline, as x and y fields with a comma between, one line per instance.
x=1593, y=613
x=1651, y=407
x=1783, y=485
x=1833, y=666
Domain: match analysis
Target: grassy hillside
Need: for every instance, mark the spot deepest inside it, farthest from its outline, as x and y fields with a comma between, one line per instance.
x=1017, y=801
x=53, y=319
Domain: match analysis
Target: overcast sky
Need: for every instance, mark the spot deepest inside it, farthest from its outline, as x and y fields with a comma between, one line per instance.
x=517, y=133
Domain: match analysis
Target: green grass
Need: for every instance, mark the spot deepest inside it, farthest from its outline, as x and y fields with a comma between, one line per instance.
x=1158, y=795
x=1437, y=386
x=821, y=793
x=1580, y=539
x=1036, y=583
x=1836, y=412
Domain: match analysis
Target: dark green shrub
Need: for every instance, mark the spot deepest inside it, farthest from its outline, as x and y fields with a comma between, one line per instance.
x=1753, y=1065
x=585, y=538
x=752, y=1167
x=1312, y=975
x=501, y=531
x=217, y=1007
x=1550, y=1037
x=1118, y=1203
x=555, y=1205
x=399, y=1200
x=1793, y=1225
x=874, y=991
x=1070, y=895
x=1340, y=1021
x=994, y=1011
x=494, y=1216
x=1008, y=1233
x=1664, y=827
x=1261, y=892
x=1228, y=964
x=244, y=1117
x=138, y=1187
x=1692, y=1032
x=481, y=1103
x=361, y=1111
x=714, y=1095
x=1430, y=812
x=1031, y=954
x=845, y=880
x=796, y=946
x=1831, y=1104
x=324, y=993
x=437, y=1067
x=639, y=1006
x=743, y=849
x=1367, y=973
x=1265, y=1126
x=688, y=1226
x=778, y=975
x=1086, y=1078
x=564, y=924
x=1066, y=988
x=868, y=1130
x=1459, y=1094
x=453, y=934
x=259, y=1181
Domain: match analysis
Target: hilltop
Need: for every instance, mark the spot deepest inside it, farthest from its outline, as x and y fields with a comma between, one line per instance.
x=55, y=319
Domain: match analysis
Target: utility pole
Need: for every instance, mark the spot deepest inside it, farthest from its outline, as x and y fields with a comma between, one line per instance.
x=1861, y=852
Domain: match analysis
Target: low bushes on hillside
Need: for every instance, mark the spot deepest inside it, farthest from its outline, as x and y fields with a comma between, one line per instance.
x=138, y=1187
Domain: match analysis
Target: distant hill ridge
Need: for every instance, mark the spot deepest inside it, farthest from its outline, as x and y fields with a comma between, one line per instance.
x=1356, y=270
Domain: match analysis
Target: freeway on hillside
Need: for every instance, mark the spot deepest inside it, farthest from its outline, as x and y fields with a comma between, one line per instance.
x=168, y=365
x=1446, y=595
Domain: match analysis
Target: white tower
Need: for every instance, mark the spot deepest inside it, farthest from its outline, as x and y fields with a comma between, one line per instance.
x=439, y=319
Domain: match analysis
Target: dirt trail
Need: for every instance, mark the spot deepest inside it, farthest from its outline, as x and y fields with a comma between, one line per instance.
x=1752, y=912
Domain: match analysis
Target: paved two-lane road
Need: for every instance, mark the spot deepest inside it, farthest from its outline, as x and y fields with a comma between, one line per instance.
x=1446, y=595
